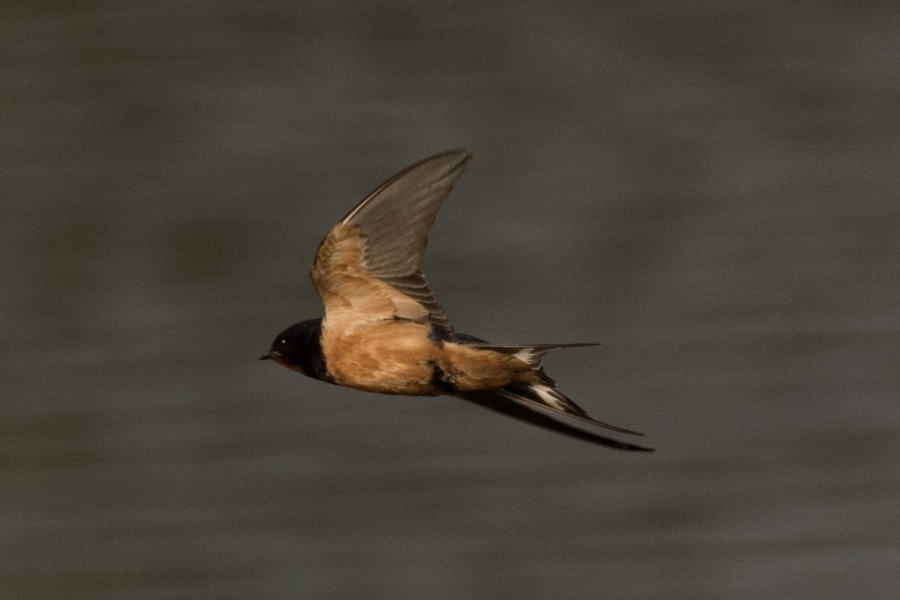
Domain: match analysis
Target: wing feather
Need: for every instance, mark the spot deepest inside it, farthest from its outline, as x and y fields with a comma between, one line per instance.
x=504, y=405
x=369, y=262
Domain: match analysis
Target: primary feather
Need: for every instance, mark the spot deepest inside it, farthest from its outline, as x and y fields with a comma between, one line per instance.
x=393, y=224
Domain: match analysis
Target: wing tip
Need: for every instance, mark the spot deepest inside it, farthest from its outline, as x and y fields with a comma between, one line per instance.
x=636, y=448
x=460, y=157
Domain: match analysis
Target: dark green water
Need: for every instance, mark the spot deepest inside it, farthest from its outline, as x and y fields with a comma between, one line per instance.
x=710, y=190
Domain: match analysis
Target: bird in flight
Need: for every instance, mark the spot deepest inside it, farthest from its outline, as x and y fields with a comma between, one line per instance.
x=384, y=332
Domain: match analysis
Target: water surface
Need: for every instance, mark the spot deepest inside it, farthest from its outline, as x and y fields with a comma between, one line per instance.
x=710, y=190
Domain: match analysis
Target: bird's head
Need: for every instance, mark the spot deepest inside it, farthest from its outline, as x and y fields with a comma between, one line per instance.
x=299, y=348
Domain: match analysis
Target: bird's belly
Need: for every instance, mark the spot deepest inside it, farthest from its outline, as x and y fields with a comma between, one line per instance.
x=388, y=357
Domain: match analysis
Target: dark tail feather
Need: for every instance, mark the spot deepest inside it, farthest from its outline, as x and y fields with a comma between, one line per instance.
x=510, y=408
x=530, y=354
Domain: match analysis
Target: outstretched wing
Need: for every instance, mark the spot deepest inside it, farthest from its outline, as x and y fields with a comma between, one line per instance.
x=546, y=397
x=503, y=405
x=367, y=267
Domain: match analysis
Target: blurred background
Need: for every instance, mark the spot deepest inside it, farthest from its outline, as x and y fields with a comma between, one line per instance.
x=708, y=189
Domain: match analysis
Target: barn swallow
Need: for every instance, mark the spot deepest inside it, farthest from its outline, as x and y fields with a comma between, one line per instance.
x=383, y=331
